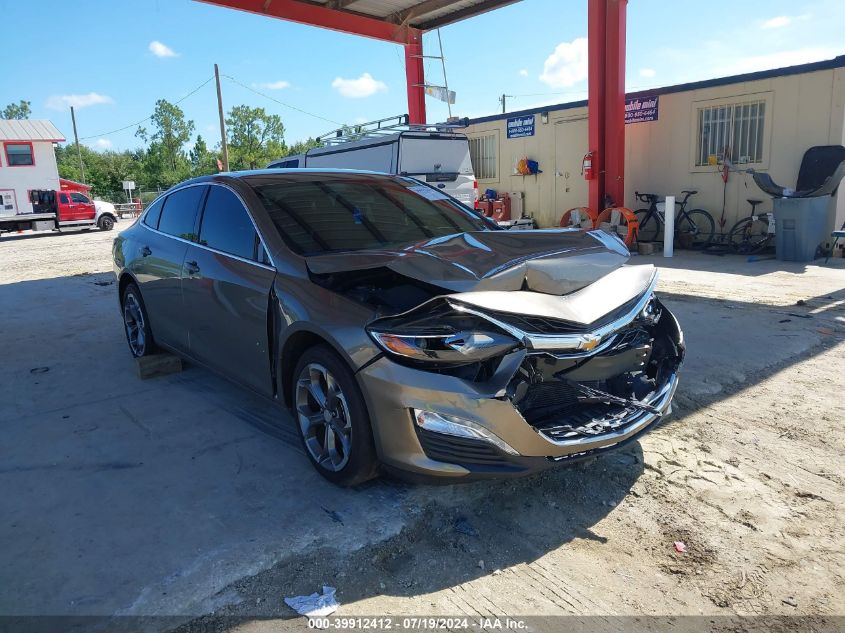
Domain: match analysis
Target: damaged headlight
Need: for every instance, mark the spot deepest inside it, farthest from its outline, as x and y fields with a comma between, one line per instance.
x=451, y=348
x=435, y=333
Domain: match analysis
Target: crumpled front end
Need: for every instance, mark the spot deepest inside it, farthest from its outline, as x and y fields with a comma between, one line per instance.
x=492, y=384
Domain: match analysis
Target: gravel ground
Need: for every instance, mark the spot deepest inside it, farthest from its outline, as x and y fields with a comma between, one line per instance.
x=748, y=475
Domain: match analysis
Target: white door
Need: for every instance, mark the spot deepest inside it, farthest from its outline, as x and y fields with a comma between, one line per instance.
x=571, y=144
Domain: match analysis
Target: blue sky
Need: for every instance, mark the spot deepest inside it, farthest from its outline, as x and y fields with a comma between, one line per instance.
x=113, y=59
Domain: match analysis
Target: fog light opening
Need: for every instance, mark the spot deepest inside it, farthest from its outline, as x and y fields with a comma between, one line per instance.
x=459, y=427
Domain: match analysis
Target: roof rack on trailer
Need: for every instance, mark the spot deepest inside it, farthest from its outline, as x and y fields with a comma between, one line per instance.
x=385, y=127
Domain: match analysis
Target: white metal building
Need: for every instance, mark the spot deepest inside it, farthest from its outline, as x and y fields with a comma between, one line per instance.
x=765, y=120
x=27, y=162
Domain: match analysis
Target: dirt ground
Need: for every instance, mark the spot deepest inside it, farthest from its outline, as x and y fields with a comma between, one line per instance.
x=747, y=476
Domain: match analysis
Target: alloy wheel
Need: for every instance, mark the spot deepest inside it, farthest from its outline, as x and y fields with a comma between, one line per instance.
x=133, y=320
x=323, y=417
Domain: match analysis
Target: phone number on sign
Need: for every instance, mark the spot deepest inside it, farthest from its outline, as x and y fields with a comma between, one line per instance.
x=411, y=624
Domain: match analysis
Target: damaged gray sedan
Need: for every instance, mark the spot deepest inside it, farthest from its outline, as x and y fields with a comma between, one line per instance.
x=403, y=330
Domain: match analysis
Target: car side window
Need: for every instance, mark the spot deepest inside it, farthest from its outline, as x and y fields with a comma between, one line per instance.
x=154, y=213
x=226, y=225
x=63, y=198
x=78, y=197
x=179, y=214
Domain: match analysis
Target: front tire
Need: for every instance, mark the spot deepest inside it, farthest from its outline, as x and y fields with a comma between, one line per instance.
x=136, y=323
x=649, y=227
x=106, y=223
x=332, y=418
x=695, y=230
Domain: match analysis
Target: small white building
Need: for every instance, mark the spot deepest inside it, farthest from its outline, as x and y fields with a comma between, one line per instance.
x=27, y=162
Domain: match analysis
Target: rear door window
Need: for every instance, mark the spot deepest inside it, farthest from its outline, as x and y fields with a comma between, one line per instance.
x=226, y=225
x=153, y=213
x=179, y=215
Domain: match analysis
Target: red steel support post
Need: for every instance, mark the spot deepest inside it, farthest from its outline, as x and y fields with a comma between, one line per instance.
x=614, y=94
x=415, y=75
x=596, y=33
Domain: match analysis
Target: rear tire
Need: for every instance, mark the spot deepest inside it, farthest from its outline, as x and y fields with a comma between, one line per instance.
x=332, y=418
x=749, y=236
x=136, y=323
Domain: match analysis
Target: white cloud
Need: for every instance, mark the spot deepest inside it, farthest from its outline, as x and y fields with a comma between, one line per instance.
x=567, y=65
x=273, y=85
x=777, y=22
x=523, y=72
x=780, y=21
x=364, y=86
x=647, y=72
x=101, y=144
x=162, y=50
x=63, y=102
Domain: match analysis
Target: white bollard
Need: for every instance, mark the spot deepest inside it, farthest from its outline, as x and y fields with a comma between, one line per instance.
x=669, y=226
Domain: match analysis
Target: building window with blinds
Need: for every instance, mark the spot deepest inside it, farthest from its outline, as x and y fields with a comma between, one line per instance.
x=482, y=151
x=732, y=130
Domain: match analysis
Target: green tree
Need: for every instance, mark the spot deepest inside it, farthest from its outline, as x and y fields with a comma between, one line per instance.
x=165, y=162
x=104, y=171
x=203, y=160
x=300, y=147
x=255, y=137
x=20, y=110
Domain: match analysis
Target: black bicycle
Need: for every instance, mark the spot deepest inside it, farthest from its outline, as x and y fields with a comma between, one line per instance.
x=752, y=234
x=693, y=229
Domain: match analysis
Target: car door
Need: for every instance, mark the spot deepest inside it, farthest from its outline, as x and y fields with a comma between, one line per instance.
x=66, y=208
x=226, y=291
x=84, y=208
x=170, y=226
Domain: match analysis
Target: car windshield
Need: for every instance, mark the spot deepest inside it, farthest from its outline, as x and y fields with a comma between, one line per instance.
x=319, y=213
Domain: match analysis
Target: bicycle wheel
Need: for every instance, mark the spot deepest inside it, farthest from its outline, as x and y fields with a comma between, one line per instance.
x=694, y=229
x=649, y=227
x=749, y=236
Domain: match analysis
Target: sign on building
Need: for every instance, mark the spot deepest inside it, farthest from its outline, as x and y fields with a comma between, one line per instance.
x=641, y=109
x=520, y=126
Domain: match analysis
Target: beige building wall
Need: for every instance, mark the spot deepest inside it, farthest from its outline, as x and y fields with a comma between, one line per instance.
x=802, y=110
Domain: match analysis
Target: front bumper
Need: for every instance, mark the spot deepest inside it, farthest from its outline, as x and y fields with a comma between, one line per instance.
x=393, y=391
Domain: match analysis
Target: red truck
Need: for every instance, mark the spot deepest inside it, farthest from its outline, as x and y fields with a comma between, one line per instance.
x=53, y=210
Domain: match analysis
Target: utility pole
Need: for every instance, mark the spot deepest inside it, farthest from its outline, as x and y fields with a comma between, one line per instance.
x=503, y=100
x=78, y=151
x=223, y=144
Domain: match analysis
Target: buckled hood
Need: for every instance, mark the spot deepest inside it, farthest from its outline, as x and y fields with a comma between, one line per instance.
x=555, y=262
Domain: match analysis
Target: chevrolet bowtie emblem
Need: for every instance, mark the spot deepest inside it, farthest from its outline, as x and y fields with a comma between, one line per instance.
x=588, y=342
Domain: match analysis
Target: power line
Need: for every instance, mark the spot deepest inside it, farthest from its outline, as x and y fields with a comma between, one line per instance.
x=281, y=103
x=131, y=125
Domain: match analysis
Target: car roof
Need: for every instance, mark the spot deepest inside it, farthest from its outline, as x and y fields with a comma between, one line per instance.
x=298, y=170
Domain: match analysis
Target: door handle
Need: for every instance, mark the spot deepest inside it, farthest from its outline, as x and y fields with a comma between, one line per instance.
x=192, y=268
x=146, y=252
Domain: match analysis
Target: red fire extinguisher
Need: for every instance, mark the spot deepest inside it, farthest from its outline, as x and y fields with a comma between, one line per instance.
x=587, y=169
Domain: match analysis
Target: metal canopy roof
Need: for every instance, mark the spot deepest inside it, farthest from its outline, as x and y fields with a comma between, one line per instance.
x=29, y=130
x=422, y=15
x=418, y=14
